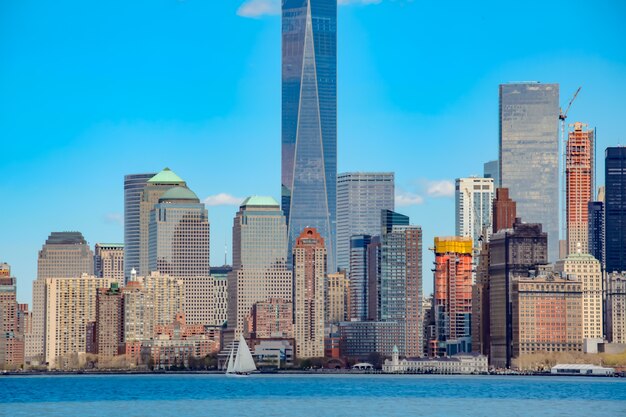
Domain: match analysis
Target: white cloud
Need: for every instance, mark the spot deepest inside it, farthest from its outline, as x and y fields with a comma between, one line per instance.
x=404, y=199
x=222, y=199
x=115, y=218
x=440, y=188
x=260, y=8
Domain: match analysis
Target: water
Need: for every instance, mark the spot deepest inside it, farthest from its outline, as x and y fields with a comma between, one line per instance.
x=310, y=395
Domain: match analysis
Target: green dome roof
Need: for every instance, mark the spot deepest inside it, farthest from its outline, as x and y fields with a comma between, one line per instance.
x=179, y=193
x=257, y=200
x=167, y=176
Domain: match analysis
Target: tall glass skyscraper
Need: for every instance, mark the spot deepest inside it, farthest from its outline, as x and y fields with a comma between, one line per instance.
x=309, y=119
x=615, y=209
x=360, y=198
x=133, y=186
x=529, y=154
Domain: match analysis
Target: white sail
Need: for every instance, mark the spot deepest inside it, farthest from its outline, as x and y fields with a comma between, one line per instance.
x=244, y=362
x=231, y=361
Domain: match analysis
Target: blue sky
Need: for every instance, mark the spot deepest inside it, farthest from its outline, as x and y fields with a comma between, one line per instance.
x=90, y=91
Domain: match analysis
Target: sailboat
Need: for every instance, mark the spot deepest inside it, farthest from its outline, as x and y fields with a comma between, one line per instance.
x=243, y=363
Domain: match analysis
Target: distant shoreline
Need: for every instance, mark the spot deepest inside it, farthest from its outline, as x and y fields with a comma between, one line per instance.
x=328, y=372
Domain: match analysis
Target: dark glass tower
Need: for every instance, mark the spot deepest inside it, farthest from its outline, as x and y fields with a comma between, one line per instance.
x=309, y=119
x=615, y=209
x=596, y=230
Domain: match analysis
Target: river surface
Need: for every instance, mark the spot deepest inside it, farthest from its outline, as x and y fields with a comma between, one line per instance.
x=310, y=395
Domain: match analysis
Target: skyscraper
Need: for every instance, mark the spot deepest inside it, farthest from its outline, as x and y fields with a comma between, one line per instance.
x=179, y=235
x=615, y=209
x=359, y=276
x=513, y=252
x=309, y=119
x=133, y=186
x=579, y=171
x=473, y=204
x=109, y=261
x=360, y=198
x=154, y=189
x=596, y=230
x=453, y=295
x=529, y=154
x=401, y=285
x=64, y=255
x=260, y=268
x=491, y=169
x=309, y=272
x=504, y=210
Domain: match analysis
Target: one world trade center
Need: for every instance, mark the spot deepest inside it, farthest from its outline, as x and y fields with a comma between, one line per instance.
x=309, y=119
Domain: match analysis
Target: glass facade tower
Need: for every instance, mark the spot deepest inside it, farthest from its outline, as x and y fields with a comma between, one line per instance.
x=615, y=209
x=529, y=154
x=309, y=119
x=133, y=186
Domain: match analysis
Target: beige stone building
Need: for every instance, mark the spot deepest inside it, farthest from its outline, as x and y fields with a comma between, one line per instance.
x=260, y=268
x=167, y=294
x=337, y=297
x=587, y=269
x=64, y=255
x=109, y=261
x=70, y=306
x=547, y=314
x=154, y=189
x=616, y=307
x=139, y=311
x=309, y=265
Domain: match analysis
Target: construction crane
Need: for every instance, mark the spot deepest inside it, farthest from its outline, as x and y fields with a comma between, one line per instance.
x=562, y=117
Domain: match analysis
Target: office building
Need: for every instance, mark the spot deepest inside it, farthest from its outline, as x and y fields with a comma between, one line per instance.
x=615, y=209
x=63, y=255
x=616, y=307
x=547, y=312
x=309, y=119
x=109, y=261
x=360, y=198
x=179, y=247
x=529, y=154
x=337, y=294
x=359, y=339
x=491, y=169
x=133, y=188
x=309, y=272
x=70, y=306
x=359, y=277
x=512, y=252
x=150, y=195
x=586, y=269
x=453, y=295
x=595, y=230
x=374, y=275
x=260, y=269
x=401, y=284
x=473, y=205
x=219, y=278
x=579, y=174
x=109, y=330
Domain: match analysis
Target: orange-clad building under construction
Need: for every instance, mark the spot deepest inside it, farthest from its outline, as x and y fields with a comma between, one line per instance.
x=453, y=296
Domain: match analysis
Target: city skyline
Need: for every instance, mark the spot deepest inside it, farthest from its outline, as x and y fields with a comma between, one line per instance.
x=91, y=202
